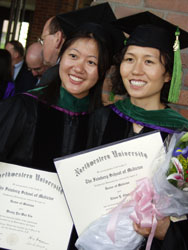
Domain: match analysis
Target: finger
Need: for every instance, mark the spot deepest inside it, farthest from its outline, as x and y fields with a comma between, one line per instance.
x=136, y=227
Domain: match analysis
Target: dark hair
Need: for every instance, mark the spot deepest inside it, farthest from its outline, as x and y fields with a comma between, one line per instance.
x=5, y=70
x=117, y=83
x=54, y=26
x=18, y=47
x=51, y=93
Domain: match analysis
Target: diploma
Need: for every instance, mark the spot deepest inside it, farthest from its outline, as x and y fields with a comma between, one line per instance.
x=33, y=211
x=95, y=181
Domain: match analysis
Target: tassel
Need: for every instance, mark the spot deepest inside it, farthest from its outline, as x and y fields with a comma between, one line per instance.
x=125, y=42
x=111, y=96
x=175, y=85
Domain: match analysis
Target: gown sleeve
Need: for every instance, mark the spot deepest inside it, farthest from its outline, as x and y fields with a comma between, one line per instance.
x=176, y=236
x=17, y=124
x=97, y=124
x=175, y=239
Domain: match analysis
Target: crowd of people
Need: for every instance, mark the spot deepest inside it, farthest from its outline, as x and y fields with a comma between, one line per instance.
x=51, y=98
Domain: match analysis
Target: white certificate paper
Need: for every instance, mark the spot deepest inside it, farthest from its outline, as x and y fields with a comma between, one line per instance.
x=33, y=211
x=95, y=181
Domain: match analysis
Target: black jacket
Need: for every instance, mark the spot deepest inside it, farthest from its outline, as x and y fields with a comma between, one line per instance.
x=24, y=80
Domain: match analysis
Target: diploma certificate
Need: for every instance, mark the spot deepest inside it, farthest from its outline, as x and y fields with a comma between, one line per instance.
x=95, y=181
x=33, y=211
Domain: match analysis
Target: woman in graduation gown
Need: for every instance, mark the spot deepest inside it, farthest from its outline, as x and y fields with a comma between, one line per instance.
x=145, y=73
x=50, y=122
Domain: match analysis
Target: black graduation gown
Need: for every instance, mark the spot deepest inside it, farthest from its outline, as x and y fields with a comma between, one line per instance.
x=106, y=127
x=57, y=134
x=33, y=134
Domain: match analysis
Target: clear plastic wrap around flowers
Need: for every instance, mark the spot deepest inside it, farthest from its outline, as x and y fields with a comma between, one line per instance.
x=164, y=195
x=95, y=237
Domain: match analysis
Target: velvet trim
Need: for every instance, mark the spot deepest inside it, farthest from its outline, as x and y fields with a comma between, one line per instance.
x=66, y=103
x=166, y=120
x=126, y=117
x=69, y=102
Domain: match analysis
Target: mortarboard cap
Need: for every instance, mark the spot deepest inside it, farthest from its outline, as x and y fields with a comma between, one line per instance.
x=107, y=33
x=148, y=30
x=100, y=14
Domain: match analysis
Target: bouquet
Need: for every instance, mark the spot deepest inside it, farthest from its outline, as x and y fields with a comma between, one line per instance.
x=178, y=169
x=166, y=194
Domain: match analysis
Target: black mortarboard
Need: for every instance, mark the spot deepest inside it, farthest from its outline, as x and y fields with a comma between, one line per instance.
x=106, y=33
x=101, y=14
x=148, y=30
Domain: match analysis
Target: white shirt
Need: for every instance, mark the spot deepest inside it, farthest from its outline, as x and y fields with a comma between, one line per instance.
x=17, y=68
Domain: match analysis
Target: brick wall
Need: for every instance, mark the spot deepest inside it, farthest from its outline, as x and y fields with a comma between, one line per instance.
x=174, y=11
x=43, y=11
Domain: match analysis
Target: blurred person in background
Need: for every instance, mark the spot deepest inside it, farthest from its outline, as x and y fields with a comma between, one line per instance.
x=7, y=87
x=23, y=79
x=34, y=60
x=51, y=40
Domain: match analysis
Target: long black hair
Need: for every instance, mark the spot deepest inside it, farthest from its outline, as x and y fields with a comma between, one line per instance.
x=100, y=35
x=5, y=70
x=117, y=83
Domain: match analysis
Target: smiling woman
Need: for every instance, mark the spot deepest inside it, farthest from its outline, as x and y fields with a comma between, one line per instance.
x=79, y=67
x=86, y=55
x=143, y=76
x=145, y=73
x=54, y=120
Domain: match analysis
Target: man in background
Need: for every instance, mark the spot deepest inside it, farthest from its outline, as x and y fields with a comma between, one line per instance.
x=52, y=39
x=34, y=60
x=23, y=79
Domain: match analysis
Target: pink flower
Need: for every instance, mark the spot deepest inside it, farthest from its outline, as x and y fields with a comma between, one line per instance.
x=179, y=176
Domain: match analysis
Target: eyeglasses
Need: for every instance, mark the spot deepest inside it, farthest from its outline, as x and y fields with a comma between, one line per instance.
x=41, y=40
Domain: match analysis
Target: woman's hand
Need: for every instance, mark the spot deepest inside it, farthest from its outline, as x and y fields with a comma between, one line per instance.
x=160, y=232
